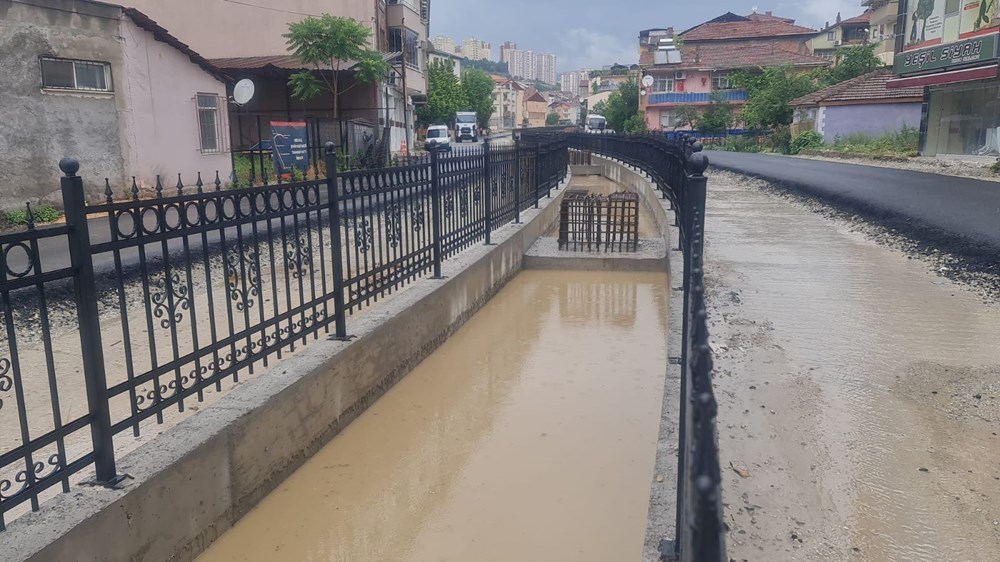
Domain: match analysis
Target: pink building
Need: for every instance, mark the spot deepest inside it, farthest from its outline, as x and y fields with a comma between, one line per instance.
x=110, y=87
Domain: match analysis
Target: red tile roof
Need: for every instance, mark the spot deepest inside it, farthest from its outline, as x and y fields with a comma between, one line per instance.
x=768, y=17
x=283, y=62
x=725, y=57
x=748, y=29
x=866, y=88
x=863, y=18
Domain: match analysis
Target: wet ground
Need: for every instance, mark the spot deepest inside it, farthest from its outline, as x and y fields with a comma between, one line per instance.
x=529, y=435
x=860, y=401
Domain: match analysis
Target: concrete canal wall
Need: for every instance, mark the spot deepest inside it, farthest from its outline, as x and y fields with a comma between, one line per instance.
x=191, y=484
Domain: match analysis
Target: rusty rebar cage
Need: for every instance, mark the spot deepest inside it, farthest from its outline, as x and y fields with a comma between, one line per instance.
x=591, y=222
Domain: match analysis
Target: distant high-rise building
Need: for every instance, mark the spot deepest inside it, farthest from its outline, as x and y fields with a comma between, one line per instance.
x=505, y=51
x=475, y=49
x=528, y=64
x=445, y=44
x=570, y=81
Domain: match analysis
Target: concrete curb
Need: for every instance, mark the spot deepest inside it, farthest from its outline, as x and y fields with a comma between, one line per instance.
x=194, y=482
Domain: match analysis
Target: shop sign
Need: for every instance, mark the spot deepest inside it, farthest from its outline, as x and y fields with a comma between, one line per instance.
x=960, y=53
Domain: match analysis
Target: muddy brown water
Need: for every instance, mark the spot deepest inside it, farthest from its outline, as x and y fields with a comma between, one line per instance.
x=529, y=435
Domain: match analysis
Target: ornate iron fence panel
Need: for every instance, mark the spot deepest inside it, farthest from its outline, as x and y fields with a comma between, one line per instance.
x=199, y=286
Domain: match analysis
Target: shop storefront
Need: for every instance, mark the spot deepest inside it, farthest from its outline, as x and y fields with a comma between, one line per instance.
x=950, y=47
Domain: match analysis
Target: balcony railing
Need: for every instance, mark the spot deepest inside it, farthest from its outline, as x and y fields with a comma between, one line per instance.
x=692, y=97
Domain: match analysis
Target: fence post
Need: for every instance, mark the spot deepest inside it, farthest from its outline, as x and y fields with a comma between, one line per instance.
x=85, y=291
x=538, y=170
x=333, y=203
x=517, y=181
x=436, y=209
x=488, y=195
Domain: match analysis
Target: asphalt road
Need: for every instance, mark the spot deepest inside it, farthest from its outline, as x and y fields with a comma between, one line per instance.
x=961, y=215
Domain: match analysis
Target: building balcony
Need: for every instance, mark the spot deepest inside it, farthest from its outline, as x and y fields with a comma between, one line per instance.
x=679, y=98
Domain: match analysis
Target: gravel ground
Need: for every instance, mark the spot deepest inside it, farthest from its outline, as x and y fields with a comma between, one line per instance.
x=977, y=169
x=982, y=277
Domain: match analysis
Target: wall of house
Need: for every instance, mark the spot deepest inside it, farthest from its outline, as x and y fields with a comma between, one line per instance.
x=217, y=29
x=161, y=127
x=39, y=127
x=871, y=119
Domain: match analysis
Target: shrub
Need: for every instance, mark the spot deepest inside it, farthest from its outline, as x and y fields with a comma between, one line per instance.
x=41, y=213
x=805, y=141
x=996, y=167
x=904, y=142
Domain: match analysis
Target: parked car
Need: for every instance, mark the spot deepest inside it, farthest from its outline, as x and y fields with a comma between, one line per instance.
x=437, y=137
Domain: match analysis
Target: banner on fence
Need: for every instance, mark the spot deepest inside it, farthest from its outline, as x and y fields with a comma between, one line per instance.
x=290, y=147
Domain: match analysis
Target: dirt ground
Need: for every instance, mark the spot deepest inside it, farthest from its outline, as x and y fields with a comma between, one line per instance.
x=858, y=390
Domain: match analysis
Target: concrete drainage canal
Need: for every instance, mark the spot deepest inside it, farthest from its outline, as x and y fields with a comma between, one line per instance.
x=530, y=434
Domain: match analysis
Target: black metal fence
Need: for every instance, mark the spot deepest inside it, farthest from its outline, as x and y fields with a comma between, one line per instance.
x=201, y=285
x=677, y=167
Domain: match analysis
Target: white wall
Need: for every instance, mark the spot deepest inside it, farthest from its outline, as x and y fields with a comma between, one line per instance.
x=160, y=131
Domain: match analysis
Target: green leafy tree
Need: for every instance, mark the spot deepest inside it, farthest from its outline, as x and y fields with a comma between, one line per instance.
x=331, y=42
x=770, y=90
x=622, y=104
x=594, y=88
x=477, y=95
x=718, y=117
x=489, y=66
x=851, y=63
x=635, y=124
x=552, y=119
x=600, y=108
x=687, y=116
x=445, y=95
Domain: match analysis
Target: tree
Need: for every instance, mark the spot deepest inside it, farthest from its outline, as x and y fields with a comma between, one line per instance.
x=594, y=88
x=635, y=124
x=445, y=95
x=552, y=119
x=488, y=66
x=687, y=116
x=622, y=104
x=718, y=117
x=332, y=46
x=477, y=92
x=770, y=90
x=850, y=63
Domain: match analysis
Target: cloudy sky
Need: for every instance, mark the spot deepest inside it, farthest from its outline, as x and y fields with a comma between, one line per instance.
x=593, y=33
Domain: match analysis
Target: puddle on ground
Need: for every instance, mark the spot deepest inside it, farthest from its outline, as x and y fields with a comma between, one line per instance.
x=529, y=435
x=860, y=388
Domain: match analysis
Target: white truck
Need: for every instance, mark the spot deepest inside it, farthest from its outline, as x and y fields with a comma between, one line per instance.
x=466, y=126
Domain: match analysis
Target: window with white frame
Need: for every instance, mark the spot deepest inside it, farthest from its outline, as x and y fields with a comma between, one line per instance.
x=209, y=122
x=76, y=74
x=662, y=85
x=402, y=39
x=721, y=81
x=667, y=119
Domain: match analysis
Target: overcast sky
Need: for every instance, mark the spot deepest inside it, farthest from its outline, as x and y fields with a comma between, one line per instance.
x=593, y=33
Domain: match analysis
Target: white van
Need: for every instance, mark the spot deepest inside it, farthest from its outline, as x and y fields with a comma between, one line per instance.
x=437, y=137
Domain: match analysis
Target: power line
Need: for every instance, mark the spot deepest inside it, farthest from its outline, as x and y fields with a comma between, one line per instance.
x=270, y=8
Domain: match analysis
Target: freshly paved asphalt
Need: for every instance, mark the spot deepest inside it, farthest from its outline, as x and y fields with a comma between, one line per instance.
x=960, y=214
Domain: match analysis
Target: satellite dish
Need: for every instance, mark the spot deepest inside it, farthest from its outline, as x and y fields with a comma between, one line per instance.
x=647, y=80
x=642, y=91
x=243, y=91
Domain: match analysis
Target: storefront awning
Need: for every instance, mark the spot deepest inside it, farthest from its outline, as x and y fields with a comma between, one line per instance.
x=981, y=73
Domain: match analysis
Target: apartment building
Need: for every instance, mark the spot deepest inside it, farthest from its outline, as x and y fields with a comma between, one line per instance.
x=445, y=45
x=529, y=65
x=883, y=22
x=569, y=82
x=475, y=49
x=687, y=73
x=842, y=34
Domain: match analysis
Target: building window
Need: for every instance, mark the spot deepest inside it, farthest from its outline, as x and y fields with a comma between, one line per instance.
x=76, y=75
x=209, y=123
x=402, y=39
x=662, y=85
x=720, y=81
x=831, y=36
x=667, y=119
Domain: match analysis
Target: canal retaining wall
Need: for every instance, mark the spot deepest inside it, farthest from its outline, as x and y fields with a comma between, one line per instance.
x=192, y=483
